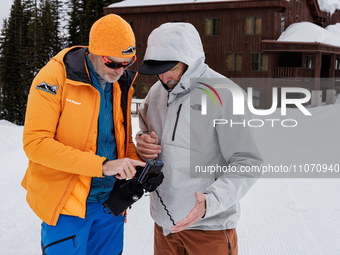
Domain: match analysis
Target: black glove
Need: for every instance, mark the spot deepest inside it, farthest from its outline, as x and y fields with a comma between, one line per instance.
x=123, y=195
x=126, y=192
x=153, y=181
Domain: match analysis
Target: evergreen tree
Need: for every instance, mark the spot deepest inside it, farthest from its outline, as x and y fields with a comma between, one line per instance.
x=47, y=30
x=57, y=40
x=14, y=95
x=30, y=37
x=83, y=13
x=33, y=56
x=76, y=26
x=2, y=43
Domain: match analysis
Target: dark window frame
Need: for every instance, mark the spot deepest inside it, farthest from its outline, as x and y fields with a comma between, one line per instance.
x=259, y=62
x=234, y=61
x=309, y=59
x=257, y=98
x=213, y=25
x=252, y=25
x=283, y=24
x=131, y=24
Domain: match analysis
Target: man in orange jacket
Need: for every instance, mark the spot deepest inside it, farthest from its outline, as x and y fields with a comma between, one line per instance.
x=78, y=139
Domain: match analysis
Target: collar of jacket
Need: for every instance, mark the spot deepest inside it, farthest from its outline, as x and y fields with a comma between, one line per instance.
x=76, y=68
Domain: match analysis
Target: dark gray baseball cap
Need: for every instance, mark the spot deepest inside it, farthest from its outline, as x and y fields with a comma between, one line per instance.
x=154, y=67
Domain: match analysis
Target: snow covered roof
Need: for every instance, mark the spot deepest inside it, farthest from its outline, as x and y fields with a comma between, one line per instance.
x=325, y=5
x=329, y=5
x=129, y=3
x=309, y=32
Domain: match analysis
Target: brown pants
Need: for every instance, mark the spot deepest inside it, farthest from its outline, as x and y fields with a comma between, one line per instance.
x=195, y=242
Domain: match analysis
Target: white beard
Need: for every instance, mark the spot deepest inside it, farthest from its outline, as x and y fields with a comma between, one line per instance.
x=96, y=66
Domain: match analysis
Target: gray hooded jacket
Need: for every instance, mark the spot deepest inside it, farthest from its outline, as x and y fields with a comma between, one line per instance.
x=187, y=138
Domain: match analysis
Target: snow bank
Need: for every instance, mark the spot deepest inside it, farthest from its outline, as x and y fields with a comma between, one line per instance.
x=337, y=101
x=309, y=32
x=334, y=29
x=329, y=5
x=6, y=123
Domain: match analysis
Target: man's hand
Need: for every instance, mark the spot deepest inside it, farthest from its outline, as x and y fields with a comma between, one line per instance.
x=122, y=168
x=195, y=214
x=147, y=146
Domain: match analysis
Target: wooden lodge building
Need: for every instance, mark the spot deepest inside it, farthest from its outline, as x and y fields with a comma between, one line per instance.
x=240, y=41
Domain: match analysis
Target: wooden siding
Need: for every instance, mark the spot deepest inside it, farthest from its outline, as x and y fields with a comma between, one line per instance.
x=232, y=39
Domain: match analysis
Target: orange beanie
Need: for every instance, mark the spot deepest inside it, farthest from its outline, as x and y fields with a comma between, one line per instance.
x=112, y=36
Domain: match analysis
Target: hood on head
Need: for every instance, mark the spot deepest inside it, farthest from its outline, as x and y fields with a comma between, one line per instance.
x=177, y=42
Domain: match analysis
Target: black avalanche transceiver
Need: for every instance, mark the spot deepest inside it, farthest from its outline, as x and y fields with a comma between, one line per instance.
x=152, y=167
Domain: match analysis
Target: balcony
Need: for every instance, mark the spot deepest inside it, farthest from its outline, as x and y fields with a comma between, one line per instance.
x=337, y=73
x=293, y=72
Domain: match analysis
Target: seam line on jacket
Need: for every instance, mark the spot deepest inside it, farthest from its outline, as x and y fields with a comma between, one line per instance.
x=55, y=211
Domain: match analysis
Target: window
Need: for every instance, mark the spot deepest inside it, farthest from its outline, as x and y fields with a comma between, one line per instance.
x=256, y=98
x=308, y=61
x=253, y=26
x=337, y=64
x=259, y=62
x=145, y=89
x=283, y=24
x=131, y=23
x=234, y=61
x=212, y=27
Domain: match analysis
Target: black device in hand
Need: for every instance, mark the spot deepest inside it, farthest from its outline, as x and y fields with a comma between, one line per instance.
x=126, y=192
x=152, y=168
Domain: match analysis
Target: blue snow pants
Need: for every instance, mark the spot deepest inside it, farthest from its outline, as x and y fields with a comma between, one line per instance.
x=99, y=233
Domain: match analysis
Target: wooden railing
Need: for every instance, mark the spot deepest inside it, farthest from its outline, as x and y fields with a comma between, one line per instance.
x=337, y=73
x=280, y=72
x=305, y=72
x=292, y=72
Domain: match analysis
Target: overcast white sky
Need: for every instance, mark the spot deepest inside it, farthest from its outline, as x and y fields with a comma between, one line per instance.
x=5, y=10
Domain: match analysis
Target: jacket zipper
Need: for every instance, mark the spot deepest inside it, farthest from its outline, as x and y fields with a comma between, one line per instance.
x=63, y=240
x=95, y=104
x=228, y=239
x=178, y=112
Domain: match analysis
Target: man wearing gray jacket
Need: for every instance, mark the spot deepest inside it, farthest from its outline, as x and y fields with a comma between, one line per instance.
x=196, y=209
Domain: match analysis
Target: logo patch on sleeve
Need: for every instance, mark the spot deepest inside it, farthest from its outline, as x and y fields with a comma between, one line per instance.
x=48, y=88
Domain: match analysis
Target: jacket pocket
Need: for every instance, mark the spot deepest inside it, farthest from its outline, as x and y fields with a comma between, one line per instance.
x=58, y=242
x=228, y=240
x=174, y=132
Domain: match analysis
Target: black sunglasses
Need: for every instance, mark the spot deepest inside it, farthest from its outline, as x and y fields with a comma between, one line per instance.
x=114, y=65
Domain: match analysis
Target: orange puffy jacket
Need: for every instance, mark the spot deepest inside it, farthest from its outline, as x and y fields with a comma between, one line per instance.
x=60, y=134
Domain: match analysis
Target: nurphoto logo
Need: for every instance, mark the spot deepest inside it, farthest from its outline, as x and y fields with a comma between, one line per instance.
x=238, y=97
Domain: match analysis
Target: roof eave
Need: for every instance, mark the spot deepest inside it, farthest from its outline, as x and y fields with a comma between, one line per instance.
x=237, y=4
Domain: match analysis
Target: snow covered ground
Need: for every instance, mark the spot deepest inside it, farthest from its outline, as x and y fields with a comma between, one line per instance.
x=299, y=216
